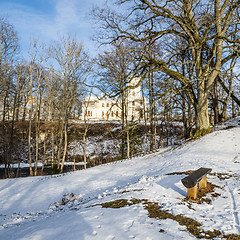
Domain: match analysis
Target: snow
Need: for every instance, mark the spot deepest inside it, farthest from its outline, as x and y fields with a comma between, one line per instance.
x=68, y=206
x=21, y=165
x=26, y=165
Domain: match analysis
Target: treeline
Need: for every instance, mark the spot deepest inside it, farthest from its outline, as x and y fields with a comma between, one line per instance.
x=183, y=54
x=43, y=87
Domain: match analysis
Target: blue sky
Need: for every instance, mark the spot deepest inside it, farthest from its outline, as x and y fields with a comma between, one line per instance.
x=47, y=20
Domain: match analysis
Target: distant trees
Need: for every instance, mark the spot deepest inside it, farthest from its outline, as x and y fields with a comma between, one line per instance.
x=44, y=87
x=37, y=85
x=8, y=54
x=72, y=68
x=57, y=76
x=116, y=73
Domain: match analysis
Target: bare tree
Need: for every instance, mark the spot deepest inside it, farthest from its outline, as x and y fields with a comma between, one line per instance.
x=8, y=50
x=36, y=66
x=206, y=27
x=71, y=70
x=115, y=72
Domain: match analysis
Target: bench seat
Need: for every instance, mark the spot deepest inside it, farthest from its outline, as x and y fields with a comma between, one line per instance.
x=190, y=182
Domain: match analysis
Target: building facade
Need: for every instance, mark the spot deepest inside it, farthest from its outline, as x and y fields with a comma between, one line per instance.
x=96, y=109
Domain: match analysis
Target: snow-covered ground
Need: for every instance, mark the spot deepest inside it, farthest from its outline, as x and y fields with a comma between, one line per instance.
x=69, y=206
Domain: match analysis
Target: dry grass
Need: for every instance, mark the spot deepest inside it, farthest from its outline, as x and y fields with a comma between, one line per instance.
x=155, y=211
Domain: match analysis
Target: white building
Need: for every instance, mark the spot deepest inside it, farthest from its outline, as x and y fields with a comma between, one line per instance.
x=96, y=109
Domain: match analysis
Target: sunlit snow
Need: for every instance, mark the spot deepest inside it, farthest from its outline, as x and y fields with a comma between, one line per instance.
x=68, y=206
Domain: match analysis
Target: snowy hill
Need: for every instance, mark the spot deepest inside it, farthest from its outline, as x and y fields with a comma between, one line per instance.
x=141, y=198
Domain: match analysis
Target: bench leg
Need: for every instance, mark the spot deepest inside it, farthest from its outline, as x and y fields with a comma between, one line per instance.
x=192, y=192
x=203, y=182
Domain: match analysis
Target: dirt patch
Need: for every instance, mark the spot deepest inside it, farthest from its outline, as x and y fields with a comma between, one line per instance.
x=119, y=203
x=222, y=176
x=181, y=173
x=133, y=190
x=193, y=227
x=155, y=211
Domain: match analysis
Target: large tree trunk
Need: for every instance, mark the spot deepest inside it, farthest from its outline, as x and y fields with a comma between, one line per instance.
x=202, y=117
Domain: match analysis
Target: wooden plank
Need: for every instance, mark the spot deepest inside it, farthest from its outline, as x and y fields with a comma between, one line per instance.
x=191, y=180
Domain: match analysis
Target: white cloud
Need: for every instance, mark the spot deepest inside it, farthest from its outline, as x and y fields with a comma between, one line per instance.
x=66, y=13
x=28, y=22
x=66, y=17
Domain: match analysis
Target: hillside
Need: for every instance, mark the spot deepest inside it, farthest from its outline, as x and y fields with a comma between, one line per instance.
x=140, y=198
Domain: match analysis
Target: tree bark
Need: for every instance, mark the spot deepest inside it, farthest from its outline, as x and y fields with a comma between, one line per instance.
x=202, y=117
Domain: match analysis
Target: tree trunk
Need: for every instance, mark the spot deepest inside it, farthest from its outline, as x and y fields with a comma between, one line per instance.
x=202, y=117
x=233, y=109
x=5, y=139
x=151, y=110
x=148, y=145
x=44, y=150
x=155, y=136
x=128, y=142
x=37, y=148
x=29, y=147
x=123, y=126
x=74, y=160
x=84, y=151
x=60, y=145
x=65, y=146
x=30, y=137
x=215, y=103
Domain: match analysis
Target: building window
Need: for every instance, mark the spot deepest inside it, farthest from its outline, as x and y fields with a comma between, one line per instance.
x=107, y=104
x=102, y=113
x=112, y=114
x=89, y=114
x=133, y=103
x=116, y=113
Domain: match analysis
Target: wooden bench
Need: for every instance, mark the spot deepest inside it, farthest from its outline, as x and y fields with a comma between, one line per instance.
x=195, y=180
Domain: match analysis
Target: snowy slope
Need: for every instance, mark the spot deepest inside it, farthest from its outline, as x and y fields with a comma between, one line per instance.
x=68, y=206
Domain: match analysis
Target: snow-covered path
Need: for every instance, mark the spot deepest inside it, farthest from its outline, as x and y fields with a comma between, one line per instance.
x=28, y=206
